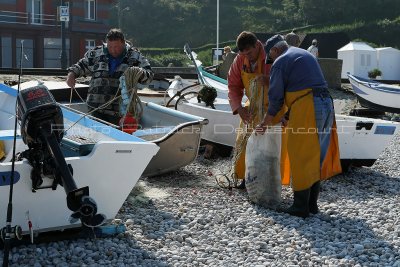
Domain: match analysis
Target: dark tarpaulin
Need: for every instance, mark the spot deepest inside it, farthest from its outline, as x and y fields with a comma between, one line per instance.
x=328, y=43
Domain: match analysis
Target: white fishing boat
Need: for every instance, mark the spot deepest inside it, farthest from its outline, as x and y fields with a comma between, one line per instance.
x=376, y=95
x=178, y=135
x=154, y=92
x=175, y=132
x=59, y=89
x=361, y=140
x=222, y=125
x=48, y=134
x=154, y=96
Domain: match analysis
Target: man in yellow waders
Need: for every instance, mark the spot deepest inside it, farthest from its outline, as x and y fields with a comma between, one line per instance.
x=296, y=80
x=247, y=66
x=2, y=151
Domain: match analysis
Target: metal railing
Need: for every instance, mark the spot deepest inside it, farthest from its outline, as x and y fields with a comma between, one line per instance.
x=25, y=18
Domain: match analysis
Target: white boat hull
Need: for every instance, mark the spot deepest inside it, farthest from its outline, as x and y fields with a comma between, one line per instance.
x=222, y=127
x=47, y=208
x=376, y=95
x=112, y=168
x=176, y=133
x=158, y=99
x=364, y=139
x=359, y=145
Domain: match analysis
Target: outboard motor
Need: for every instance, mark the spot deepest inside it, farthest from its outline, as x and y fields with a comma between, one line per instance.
x=42, y=129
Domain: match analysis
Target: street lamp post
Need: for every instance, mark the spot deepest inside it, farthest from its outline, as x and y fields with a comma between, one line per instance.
x=63, y=56
x=216, y=52
x=217, y=32
x=120, y=12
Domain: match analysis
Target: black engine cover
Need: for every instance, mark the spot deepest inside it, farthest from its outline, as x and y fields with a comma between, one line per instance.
x=37, y=109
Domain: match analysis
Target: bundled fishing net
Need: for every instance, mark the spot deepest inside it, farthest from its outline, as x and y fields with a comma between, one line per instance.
x=130, y=106
x=130, y=101
x=257, y=110
x=207, y=94
x=263, y=175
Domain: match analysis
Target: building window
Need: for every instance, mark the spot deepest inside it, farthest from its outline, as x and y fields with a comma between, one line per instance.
x=90, y=9
x=52, y=52
x=35, y=8
x=27, y=56
x=365, y=60
x=6, y=52
x=90, y=44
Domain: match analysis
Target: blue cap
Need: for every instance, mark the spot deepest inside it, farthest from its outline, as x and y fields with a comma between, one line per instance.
x=271, y=42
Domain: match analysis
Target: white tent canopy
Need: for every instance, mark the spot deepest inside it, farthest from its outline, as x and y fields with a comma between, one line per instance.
x=358, y=59
x=389, y=62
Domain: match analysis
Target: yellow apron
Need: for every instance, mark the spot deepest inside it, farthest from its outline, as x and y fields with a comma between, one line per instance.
x=240, y=145
x=2, y=152
x=303, y=143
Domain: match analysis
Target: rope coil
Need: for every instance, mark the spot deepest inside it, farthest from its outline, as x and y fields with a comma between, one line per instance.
x=131, y=76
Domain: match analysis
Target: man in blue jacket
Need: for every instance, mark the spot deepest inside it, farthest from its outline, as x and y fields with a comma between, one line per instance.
x=106, y=64
x=296, y=80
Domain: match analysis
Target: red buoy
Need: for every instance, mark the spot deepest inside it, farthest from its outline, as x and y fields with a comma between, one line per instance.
x=128, y=123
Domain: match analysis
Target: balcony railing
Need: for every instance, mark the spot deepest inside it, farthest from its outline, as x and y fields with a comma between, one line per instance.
x=24, y=18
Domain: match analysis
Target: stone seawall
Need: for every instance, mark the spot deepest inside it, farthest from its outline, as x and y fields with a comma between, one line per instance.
x=332, y=69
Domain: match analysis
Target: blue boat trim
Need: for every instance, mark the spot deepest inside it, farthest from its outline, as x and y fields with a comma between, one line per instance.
x=8, y=135
x=109, y=230
x=373, y=85
x=385, y=89
x=383, y=129
x=87, y=122
x=358, y=90
x=5, y=178
x=215, y=78
x=8, y=90
x=99, y=127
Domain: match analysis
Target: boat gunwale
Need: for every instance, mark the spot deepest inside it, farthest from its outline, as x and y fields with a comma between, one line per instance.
x=373, y=85
x=89, y=122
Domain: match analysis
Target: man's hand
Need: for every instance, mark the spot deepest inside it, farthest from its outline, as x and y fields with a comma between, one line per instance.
x=262, y=80
x=244, y=115
x=71, y=79
x=284, y=122
x=262, y=127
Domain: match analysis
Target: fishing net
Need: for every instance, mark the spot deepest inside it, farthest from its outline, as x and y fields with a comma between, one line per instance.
x=130, y=101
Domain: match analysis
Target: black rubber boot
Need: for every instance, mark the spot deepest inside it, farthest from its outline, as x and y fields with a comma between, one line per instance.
x=242, y=184
x=314, y=193
x=300, y=207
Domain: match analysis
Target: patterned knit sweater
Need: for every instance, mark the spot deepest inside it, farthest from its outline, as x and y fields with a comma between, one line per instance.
x=104, y=83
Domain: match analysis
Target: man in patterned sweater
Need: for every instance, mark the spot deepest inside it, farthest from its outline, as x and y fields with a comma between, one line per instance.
x=106, y=64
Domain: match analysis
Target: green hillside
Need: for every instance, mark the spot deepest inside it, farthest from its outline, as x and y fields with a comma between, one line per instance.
x=172, y=23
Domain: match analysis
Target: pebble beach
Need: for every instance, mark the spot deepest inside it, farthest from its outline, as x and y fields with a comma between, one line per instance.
x=184, y=218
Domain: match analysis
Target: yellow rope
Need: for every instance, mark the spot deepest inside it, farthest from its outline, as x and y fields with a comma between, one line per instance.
x=256, y=108
x=132, y=76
